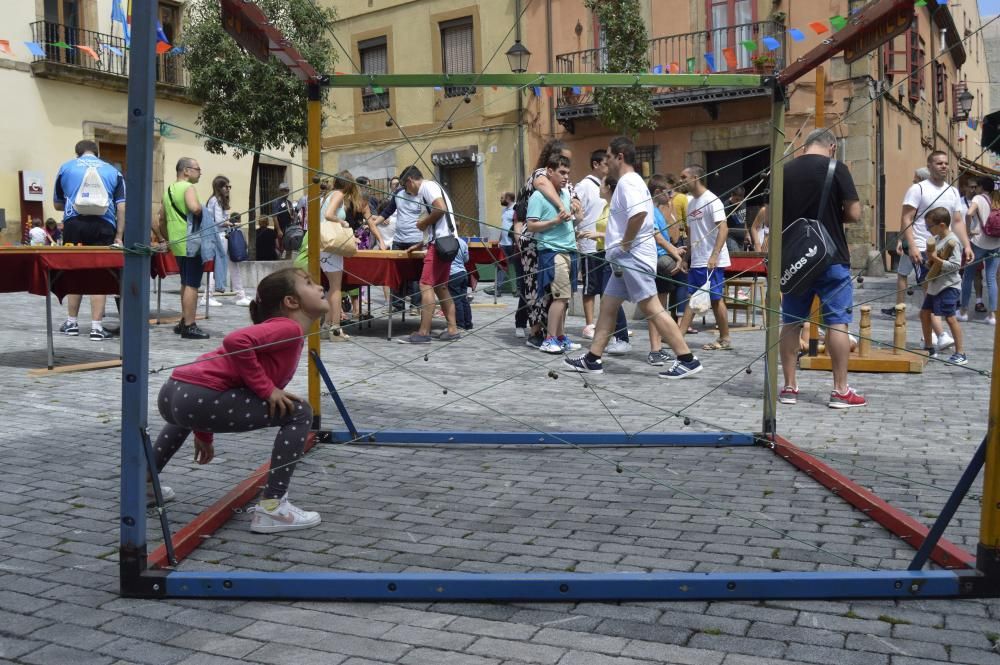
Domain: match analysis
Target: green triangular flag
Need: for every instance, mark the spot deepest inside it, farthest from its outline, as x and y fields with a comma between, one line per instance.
x=691, y=63
x=377, y=90
x=920, y=3
x=60, y=44
x=838, y=22
x=749, y=45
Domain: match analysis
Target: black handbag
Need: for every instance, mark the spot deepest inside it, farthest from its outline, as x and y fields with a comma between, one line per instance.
x=806, y=246
x=446, y=247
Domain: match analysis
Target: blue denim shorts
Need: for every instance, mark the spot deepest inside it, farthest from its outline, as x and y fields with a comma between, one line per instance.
x=943, y=304
x=836, y=296
x=716, y=279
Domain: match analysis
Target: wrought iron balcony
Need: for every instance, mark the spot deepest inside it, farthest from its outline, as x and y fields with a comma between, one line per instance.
x=681, y=54
x=70, y=53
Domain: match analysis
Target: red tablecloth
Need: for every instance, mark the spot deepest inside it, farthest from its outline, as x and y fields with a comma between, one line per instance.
x=747, y=266
x=363, y=270
x=487, y=253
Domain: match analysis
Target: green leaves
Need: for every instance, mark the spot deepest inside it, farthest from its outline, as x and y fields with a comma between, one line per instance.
x=253, y=104
x=627, y=110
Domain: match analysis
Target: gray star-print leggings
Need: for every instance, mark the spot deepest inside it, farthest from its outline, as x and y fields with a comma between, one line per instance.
x=187, y=407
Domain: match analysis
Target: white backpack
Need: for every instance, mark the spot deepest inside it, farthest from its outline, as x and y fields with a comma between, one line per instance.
x=92, y=196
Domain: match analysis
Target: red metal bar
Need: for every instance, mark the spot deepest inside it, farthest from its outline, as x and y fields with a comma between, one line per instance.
x=947, y=554
x=254, y=32
x=190, y=537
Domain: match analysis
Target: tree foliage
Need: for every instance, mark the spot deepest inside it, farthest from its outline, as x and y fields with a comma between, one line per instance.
x=627, y=110
x=257, y=105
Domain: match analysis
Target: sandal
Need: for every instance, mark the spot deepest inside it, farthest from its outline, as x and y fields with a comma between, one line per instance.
x=718, y=345
x=692, y=331
x=337, y=335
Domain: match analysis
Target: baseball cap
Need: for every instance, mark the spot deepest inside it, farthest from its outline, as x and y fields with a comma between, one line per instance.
x=284, y=186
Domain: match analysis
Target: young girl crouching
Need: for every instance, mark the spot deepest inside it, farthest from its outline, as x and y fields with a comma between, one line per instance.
x=239, y=387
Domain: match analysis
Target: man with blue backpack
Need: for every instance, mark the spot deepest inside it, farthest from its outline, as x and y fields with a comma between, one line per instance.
x=91, y=194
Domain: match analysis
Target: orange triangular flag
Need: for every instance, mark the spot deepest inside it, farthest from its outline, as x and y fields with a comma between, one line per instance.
x=162, y=47
x=548, y=92
x=818, y=27
x=730, y=55
x=89, y=51
x=5, y=47
x=675, y=68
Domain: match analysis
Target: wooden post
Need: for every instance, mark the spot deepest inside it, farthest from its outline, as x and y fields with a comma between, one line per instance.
x=865, y=332
x=773, y=301
x=899, y=330
x=812, y=326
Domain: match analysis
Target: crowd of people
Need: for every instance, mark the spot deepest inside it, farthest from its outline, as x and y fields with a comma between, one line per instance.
x=660, y=243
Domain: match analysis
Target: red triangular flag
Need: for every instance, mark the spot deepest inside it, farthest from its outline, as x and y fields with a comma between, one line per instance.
x=5, y=47
x=162, y=47
x=548, y=92
x=89, y=51
x=818, y=28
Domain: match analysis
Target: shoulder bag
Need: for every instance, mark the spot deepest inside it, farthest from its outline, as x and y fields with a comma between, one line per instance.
x=806, y=246
x=335, y=238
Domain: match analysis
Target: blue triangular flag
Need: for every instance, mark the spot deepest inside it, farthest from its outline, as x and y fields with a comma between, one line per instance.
x=537, y=91
x=112, y=49
x=178, y=50
x=796, y=34
x=35, y=49
x=771, y=43
x=576, y=90
x=710, y=60
x=118, y=16
x=437, y=87
x=658, y=69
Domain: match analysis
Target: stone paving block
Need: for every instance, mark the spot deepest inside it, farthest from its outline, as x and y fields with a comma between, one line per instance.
x=148, y=653
x=894, y=646
x=730, y=643
x=642, y=631
x=783, y=633
x=216, y=643
x=824, y=655
x=78, y=637
x=425, y=656
x=580, y=641
x=589, y=658
x=957, y=638
x=528, y=653
x=414, y=635
x=58, y=655
x=20, y=624
x=209, y=659
x=154, y=631
x=669, y=653
x=12, y=647
x=974, y=656
x=510, y=630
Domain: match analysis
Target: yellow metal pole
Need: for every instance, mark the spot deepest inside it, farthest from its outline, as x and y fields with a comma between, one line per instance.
x=988, y=551
x=775, y=211
x=813, y=324
x=313, y=158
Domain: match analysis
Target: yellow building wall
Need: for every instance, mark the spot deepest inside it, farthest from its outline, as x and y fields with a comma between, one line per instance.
x=44, y=118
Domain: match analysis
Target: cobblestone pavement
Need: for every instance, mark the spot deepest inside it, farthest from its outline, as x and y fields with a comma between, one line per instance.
x=476, y=508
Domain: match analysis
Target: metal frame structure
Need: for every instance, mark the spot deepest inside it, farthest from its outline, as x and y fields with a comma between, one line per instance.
x=137, y=579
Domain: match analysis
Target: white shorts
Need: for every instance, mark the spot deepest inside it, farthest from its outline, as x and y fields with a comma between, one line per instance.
x=331, y=262
x=636, y=281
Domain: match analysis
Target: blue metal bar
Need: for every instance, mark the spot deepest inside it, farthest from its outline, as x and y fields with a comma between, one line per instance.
x=334, y=394
x=552, y=438
x=562, y=587
x=135, y=292
x=950, y=507
x=154, y=476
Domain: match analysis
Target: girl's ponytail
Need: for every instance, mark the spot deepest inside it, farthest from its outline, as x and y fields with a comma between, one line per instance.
x=271, y=294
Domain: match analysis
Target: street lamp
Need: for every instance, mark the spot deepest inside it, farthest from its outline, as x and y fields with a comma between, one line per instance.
x=517, y=56
x=965, y=102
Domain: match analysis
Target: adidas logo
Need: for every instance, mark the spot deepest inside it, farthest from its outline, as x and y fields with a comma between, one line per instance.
x=793, y=269
x=812, y=252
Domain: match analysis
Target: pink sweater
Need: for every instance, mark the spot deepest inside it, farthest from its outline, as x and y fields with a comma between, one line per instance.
x=237, y=363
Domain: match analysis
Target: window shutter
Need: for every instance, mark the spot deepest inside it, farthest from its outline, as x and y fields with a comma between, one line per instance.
x=457, y=53
x=374, y=60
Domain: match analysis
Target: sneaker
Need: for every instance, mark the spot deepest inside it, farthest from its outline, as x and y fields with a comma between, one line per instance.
x=945, y=341
x=179, y=327
x=194, y=332
x=567, y=344
x=980, y=307
x=962, y=316
x=489, y=290
x=534, y=341
x=788, y=395
x=658, y=358
x=285, y=517
x=682, y=370
x=71, y=329
x=588, y=332
x=212, y=302
x=934, y=339
x=165, y=492
x=520, y=333
x=931, y=352
x=446, y=336
x=335, y=334
x=243, y=302
x=846, y=400
x=618, y=347
x=958, y=359
x=991, y=320
x=582, y=365
x=415, y=338
x=889, y=311
x=100, y=334
x=551, y=345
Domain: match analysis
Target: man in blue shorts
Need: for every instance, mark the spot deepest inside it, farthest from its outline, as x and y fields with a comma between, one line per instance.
x=804, y=178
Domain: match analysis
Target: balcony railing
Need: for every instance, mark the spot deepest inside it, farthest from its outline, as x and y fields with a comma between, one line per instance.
x=112, y=55
x=685, y=53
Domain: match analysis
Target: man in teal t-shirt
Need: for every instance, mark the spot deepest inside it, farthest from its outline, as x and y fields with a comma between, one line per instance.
x=556, y=239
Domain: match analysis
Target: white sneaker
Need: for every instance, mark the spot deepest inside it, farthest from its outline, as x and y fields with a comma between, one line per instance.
x=962, y=316
x=588, y=332
x=991, y=320
x=212, y=302
x=285, y=517
x=617, y=347
x=519, y=333
x=243, y=302
x=167, y=494
x=934, y=339
x=945, y=341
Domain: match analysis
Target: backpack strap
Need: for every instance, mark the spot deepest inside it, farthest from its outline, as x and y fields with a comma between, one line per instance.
x=824, y=199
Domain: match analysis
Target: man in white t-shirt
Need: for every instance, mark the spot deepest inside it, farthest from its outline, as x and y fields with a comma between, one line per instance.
x=592, y=264
x=438, y=223
x=935, y=192
x=631, y=250
x=708, y=256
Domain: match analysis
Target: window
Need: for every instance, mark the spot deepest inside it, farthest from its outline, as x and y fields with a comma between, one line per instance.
x=374, y=60
x=729, y=24
x=457, y=53
x=645, y=159
x=915, y=85
x=940, y=84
